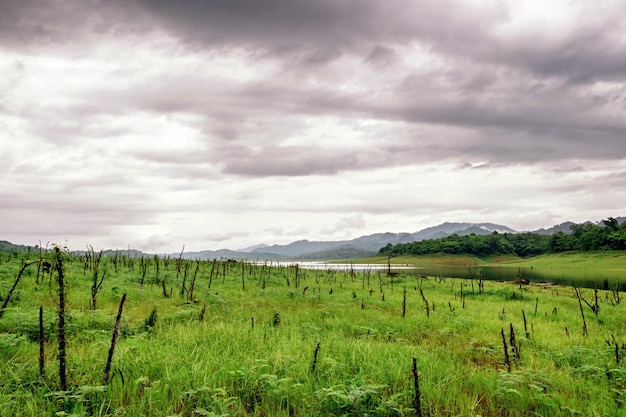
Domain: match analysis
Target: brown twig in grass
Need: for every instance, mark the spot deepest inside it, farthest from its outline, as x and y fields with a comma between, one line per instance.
x=425, y=303
x=116, y=332
x=315, y=353
x=417, y=402
x=61, y=321
x=582, y=313
x=507, y=361
x=17, y=281
x=42, y=357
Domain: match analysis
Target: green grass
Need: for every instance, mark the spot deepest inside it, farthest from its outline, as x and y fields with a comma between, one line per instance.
x=240, y=361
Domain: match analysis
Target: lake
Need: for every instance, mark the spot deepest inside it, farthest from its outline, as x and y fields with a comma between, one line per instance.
x=583, y=277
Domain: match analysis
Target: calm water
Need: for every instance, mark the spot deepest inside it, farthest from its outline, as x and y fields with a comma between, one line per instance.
x=563, y=276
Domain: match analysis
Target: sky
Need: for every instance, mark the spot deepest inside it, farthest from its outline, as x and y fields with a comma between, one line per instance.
x=154, y=124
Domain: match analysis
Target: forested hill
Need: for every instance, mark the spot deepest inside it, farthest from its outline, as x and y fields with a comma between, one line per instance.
x=609, y=235
x=8, y=247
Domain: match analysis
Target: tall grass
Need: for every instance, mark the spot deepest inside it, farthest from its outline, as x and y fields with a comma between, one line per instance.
x=267, y=347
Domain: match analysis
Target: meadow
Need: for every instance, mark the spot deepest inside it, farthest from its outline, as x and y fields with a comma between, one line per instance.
x=227, y=338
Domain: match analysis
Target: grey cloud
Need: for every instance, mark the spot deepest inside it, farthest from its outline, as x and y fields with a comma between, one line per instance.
x=381, y=56
x=289, y=161
x=320, y=31
x=514, y=100
x=594, y=51
x=41, y=24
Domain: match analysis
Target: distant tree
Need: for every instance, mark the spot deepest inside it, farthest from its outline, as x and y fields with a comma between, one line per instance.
x=611, y=224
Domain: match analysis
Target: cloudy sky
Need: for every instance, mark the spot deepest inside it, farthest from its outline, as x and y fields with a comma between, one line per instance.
x=228, y=123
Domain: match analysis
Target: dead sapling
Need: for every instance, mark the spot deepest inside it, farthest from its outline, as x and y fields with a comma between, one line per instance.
x=192, y=286
x=417, y=401
x=616, y=298
x=17, y=281
x=404, y=303
x=425, y=303
x=582, y=313
x=315, y=353
x=116, y=332
x=61, y=318
x=525, y=325
x=97, y=280
x=514, y=346
x=507, y=361
x=594, y=307
x=183, y=288
x=42, y=356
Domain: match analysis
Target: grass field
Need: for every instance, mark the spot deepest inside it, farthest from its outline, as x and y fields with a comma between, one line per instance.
x=283, y=341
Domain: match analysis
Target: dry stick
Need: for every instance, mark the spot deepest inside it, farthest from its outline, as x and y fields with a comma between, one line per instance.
x=211, y=274
x=243, y=277
x=42, y=357
x=203, y=311
x=165, y=294
x=115, y=261
x=95, y=287
x=582, y=313
x=39, y=265
x=156, y=268
x=314, y=364
x=179, y=262
x=183, y=287
x=404, y=303
x=116, y=332
x=525, y=326
x=417, y=404
x=193, y=282
x=61, y=326
x=462, y=297
x=514, y=343
x=507, y=361
x=17, y=281
x=425, y=302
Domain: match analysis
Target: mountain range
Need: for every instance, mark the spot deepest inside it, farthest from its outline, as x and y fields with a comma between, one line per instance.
x=368, y=245
x=350, y=249
x=360, y=247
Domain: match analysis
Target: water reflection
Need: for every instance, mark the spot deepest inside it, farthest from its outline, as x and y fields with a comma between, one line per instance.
x=564, y=276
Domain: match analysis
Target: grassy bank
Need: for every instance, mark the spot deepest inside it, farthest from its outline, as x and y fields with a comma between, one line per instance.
x=282, y=341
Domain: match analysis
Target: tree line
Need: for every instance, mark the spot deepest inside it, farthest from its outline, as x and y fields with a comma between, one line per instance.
x=608, y=235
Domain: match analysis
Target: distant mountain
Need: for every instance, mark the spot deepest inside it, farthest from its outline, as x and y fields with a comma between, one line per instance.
x=231, y=254
x=461, y=229
x=8, y=247
x=300, y=247
x=343, y=252
x=252, y=248
x=563, y=227
x=371, y=244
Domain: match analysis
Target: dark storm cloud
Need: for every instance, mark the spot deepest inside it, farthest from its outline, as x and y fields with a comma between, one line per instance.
x=525, y=97
x=593, y=51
